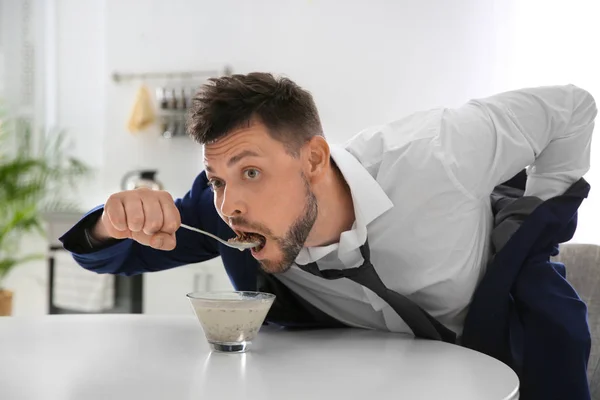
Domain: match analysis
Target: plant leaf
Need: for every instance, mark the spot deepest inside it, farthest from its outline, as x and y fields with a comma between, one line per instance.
x=34, y=178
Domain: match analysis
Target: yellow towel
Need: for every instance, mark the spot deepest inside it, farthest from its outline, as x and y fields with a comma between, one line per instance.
x=142, y=114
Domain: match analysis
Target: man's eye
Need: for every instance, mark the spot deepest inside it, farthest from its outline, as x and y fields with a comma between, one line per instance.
x=215, y=183
x=251, y=173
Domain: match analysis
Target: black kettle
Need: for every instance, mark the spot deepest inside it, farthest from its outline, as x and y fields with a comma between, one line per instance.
x=140, y=179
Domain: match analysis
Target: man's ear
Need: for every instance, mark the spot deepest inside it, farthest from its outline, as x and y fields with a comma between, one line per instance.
x=316, y=153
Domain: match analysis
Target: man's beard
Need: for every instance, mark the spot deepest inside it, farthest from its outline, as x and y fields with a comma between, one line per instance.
x=293, y=241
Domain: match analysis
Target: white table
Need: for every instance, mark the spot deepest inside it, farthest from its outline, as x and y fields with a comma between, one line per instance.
x=145, y=357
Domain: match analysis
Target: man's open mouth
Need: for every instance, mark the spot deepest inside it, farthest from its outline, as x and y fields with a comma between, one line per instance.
x=252, y=237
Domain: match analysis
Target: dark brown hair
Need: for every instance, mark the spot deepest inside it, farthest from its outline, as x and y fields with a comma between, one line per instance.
x=231, y=102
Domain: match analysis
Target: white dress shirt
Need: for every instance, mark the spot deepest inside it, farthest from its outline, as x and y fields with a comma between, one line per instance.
x=420, y=187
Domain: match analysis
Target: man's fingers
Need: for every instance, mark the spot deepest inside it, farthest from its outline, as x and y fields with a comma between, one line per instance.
x=163, y=241
x=159, y=241
x=105, y=229
x=134, y=212
x=115, y=211
x=141, y=237
x=171, y=216
x=153, y=215
x=148, y=217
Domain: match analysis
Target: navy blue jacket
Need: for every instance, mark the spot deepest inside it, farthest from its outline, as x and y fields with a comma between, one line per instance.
x=127, y=257
x=523, y=313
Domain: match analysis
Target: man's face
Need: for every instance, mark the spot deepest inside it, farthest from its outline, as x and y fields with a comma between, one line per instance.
x=259, y=187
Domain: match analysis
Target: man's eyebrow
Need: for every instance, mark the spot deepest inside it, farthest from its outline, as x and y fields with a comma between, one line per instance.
x=246, y=153
x=235, y=159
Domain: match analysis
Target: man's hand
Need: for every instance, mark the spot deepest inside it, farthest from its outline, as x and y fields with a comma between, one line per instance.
x=149, y=217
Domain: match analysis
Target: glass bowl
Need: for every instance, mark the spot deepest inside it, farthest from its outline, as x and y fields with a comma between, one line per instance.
x=231, y=319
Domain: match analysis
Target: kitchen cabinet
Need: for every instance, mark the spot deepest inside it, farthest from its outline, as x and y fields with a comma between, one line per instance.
x=164, y=291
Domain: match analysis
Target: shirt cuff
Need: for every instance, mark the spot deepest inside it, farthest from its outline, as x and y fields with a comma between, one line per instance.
x=79, y=239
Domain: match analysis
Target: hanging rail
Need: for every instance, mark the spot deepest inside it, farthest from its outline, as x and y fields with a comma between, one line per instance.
x=118, y=77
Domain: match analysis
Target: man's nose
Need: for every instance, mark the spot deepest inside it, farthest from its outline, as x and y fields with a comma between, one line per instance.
x=232, y=203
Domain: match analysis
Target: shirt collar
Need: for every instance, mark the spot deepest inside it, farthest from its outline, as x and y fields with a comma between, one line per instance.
x=369, y=200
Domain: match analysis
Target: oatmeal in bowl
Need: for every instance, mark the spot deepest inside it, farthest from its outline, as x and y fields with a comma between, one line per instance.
x=231, y=319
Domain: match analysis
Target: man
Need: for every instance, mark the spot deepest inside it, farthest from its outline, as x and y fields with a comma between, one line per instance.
x=411, y=197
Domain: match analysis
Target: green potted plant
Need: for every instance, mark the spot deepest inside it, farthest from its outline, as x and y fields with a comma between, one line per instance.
x=33, y=180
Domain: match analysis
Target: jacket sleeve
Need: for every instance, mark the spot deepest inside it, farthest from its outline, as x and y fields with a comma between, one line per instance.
x=547, y=129
x=127, y=257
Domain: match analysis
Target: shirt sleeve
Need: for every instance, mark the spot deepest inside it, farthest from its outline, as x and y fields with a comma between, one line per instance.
x=127, y=257
x=547, y=130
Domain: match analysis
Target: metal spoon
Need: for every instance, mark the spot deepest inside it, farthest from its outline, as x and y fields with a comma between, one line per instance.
x=236, y=245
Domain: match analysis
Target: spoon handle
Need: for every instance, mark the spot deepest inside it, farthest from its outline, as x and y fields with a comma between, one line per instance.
x=226, y=243
x=191, y=228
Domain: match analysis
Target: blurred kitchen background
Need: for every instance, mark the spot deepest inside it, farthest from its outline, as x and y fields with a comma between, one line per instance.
x=116, y=75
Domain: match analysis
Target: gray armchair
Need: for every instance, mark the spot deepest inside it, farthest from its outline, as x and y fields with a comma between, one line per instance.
x=582, y=262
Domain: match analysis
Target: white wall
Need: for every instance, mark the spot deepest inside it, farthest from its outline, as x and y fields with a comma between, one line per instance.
x=79, y=85
x=366, y=62
x=2, y=51
x=22, y=93
x=556, y=42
